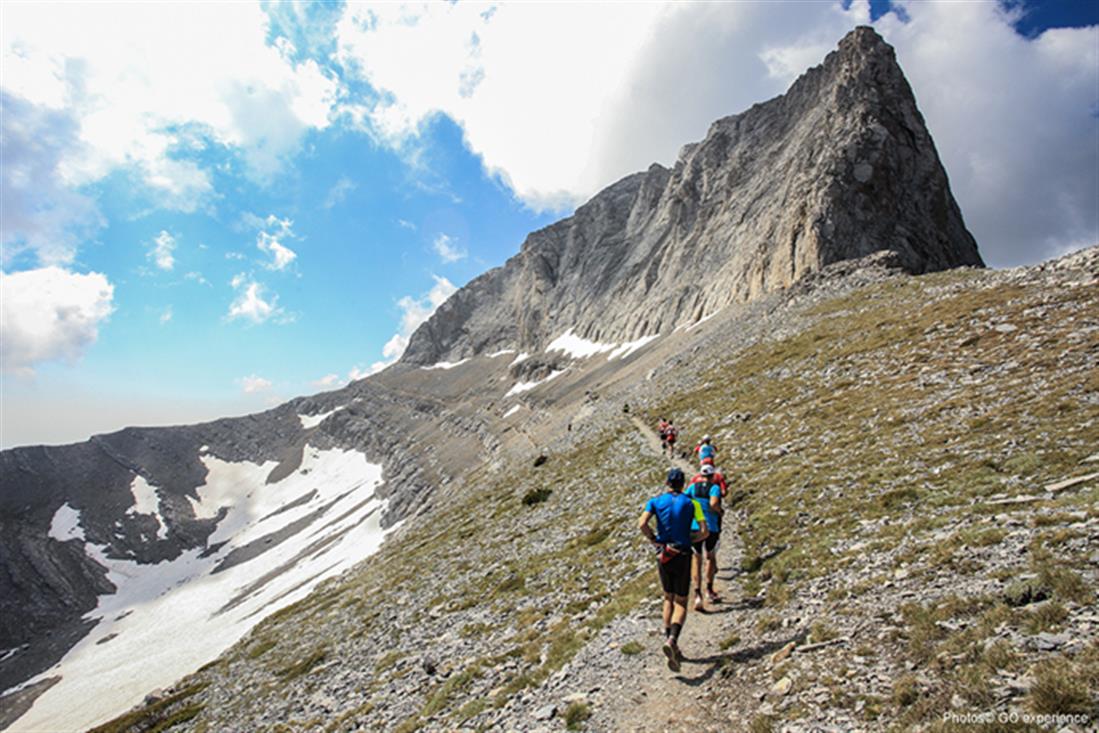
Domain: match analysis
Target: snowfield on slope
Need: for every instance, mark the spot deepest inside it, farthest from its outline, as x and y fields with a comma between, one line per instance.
x=312, y=421
x=520, y=387
x=167, y=619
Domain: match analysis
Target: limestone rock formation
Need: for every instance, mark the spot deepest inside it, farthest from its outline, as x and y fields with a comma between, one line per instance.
x=839, y=167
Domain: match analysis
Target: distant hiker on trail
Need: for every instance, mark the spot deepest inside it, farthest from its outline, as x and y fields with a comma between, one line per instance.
x=670, y=434
x=708, y=495
x=706, y=451
x=677, y=516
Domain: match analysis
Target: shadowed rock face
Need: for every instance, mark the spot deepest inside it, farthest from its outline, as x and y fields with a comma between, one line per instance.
x=839, y=167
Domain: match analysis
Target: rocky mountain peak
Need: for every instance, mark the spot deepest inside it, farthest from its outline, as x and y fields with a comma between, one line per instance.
x=839, y=167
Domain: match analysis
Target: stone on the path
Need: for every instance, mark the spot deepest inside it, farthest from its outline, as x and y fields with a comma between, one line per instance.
x=1046, y=641
x=545, y=712
x=782, y=653
x=781, y=687
x=1015, y=500
x=1069, y=483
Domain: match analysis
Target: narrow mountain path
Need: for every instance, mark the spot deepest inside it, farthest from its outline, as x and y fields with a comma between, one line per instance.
x=666, y=701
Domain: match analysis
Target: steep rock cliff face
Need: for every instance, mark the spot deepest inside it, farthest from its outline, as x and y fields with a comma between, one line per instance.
x=839, y=167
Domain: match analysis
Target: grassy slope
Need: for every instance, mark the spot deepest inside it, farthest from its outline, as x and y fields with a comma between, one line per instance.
x=896, y=417
x=889, y=428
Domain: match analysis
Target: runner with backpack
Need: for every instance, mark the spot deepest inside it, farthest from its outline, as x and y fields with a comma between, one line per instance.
x=708, y=495
x=680, y=523
x=705, y=450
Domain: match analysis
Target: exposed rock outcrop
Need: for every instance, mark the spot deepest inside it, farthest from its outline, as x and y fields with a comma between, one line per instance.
x=839, y=167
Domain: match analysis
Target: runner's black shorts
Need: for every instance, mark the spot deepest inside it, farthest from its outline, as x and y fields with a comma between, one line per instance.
x=675, y=575
x=710, y=543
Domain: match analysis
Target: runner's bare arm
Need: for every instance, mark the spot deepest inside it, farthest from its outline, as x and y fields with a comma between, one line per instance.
x=643, y=525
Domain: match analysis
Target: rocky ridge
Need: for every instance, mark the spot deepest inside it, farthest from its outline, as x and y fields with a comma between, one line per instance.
x=839, y=167
x=906, y=548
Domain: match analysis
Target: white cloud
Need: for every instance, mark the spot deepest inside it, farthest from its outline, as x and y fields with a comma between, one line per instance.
x=166, y=315
x=404, y=224
x=418, y=310
x=252, y=384
x=252, y=302
x=414, y=311
x=640, y=80
x=328, y=380
x=445, y=248
x=269, y=240
x=161, y=251
x=487, y=72
x=197, y=277
x=49, y=314
x=338, y=193
x=146, y=80
x=38, y=214
x=1014, y=120
x=235, y=256
x=282, y=255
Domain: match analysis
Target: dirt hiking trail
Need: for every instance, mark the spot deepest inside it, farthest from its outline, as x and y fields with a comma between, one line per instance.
x=667, y=701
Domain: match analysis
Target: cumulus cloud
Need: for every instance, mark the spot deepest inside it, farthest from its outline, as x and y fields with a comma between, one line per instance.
x=252, y=303
x=39, y=215
x=252, y=384
x=166, y=315
x=270, y=241
x=446, y=249
x=197, y=277
x=1014, y=120
x=161, y=250
x=141, y=107
x=1004, y=110
x=414, y=311
x=485, y=71
x=50, y=314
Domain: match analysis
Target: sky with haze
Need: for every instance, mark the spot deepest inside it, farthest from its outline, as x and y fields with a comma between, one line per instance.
x=210, y=208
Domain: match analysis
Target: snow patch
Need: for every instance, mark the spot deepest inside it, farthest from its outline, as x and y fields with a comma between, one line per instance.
x=519, y=359
x=527, y=386
x=576, y=347
x=167, y=619
x=512, y=411
x=65, y=524
x=631, y=346
x=446, y=364
x=702, y=320
x=312, y=421
x=502, y=352
x=146, y=501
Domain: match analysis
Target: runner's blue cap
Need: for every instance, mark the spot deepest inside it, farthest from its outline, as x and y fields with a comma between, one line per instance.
x=675, y=477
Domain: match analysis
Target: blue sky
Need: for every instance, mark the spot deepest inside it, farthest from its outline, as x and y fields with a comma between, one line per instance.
x=197, y=224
